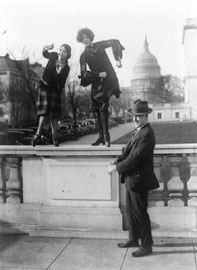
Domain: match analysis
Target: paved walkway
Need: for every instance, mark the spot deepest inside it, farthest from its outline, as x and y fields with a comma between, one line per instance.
x=115, y=133
x=21, y=252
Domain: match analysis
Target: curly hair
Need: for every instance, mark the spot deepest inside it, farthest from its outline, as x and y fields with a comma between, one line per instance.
x=85, y=31
x=68, y=48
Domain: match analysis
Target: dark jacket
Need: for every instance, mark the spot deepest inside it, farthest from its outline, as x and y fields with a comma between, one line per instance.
x=135, y=165
x=51, y=86
x=97, y=60
x=54, y=80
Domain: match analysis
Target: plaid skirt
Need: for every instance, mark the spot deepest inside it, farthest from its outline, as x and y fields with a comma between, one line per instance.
x=49, y=102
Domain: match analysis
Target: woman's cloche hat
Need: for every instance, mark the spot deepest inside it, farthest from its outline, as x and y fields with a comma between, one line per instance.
x=140, y=107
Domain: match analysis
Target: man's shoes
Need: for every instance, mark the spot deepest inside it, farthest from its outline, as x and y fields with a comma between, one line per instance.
x=128, y=244
x=98, y=141
x=140, y=252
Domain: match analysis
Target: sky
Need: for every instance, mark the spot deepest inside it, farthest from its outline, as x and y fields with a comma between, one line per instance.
x=27, y=25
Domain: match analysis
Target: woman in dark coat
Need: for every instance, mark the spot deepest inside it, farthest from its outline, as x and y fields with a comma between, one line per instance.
x=102, y=77
x=51, y=86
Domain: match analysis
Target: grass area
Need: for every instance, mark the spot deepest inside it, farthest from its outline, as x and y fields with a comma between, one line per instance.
x=169, y=133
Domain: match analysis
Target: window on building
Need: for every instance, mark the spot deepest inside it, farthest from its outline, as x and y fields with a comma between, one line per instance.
x=177, y=115
x=159, y=115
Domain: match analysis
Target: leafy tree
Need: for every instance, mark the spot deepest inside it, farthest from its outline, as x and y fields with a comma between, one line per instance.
x=170, y=89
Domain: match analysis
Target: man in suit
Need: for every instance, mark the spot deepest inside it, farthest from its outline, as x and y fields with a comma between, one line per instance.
x=135, y=167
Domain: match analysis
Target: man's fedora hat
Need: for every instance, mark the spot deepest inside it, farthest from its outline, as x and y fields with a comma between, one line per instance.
x=140, y=107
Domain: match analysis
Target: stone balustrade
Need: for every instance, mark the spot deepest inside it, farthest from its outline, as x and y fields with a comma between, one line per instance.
x=67, y=191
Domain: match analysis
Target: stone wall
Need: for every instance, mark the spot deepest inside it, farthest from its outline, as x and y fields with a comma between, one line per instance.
x=66, y=191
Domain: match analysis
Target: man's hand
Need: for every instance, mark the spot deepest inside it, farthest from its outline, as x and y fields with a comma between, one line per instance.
x=103, y=74
x=119, y=63
x=111, y=168
x=113, y=161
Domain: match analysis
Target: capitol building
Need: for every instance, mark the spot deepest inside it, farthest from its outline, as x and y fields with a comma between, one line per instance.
x=146, y=73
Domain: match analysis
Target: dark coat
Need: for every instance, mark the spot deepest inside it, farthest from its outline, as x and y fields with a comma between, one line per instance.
x=135, y=165
x=55, y=81
x=97, y=60
x=49, y=98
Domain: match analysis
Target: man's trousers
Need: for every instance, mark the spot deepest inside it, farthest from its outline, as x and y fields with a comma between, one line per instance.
x=138, y=218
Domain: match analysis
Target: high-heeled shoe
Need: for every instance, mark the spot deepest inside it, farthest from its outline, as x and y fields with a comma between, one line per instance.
x=55, y=142
x=35, y=140
x=98, y=141
x=107, y=143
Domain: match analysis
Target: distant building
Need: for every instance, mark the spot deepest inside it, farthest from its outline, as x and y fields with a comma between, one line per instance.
x=190, y=46
x=146, y=73
x=170, y=112
x=18, y=91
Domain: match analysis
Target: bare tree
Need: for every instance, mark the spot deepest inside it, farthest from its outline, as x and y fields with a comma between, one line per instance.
x=28, y=77
x=72, y=97
x=2, y=92
x=122, y=103
x=78, y=97
x=21, y=91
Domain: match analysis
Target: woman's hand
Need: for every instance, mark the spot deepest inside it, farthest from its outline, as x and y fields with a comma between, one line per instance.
x=49, y=47
x=103, y=74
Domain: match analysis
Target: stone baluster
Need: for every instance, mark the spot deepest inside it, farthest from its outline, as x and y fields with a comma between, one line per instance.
x=175, y=185
x=156, y=195
x=165, y=176
x=184, y=171
x=14, y=183
x=192, y=182
x=2, y=181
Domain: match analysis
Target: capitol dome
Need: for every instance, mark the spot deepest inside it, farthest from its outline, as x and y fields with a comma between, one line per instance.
x=146, y=65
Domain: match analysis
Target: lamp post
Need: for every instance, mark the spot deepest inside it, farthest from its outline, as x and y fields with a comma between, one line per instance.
x=6, y=117
x=125, y=116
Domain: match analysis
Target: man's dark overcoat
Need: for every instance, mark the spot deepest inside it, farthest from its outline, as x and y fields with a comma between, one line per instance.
x=135, y=165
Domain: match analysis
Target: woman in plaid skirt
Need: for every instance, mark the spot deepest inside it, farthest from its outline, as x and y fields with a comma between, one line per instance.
x=50, y=91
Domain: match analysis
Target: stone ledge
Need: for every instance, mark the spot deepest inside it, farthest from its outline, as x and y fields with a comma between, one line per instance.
x=94, y=234
x=174, y=233
x=111, y=234
x=88, y=150
x=33, y=230
x=16, y=228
